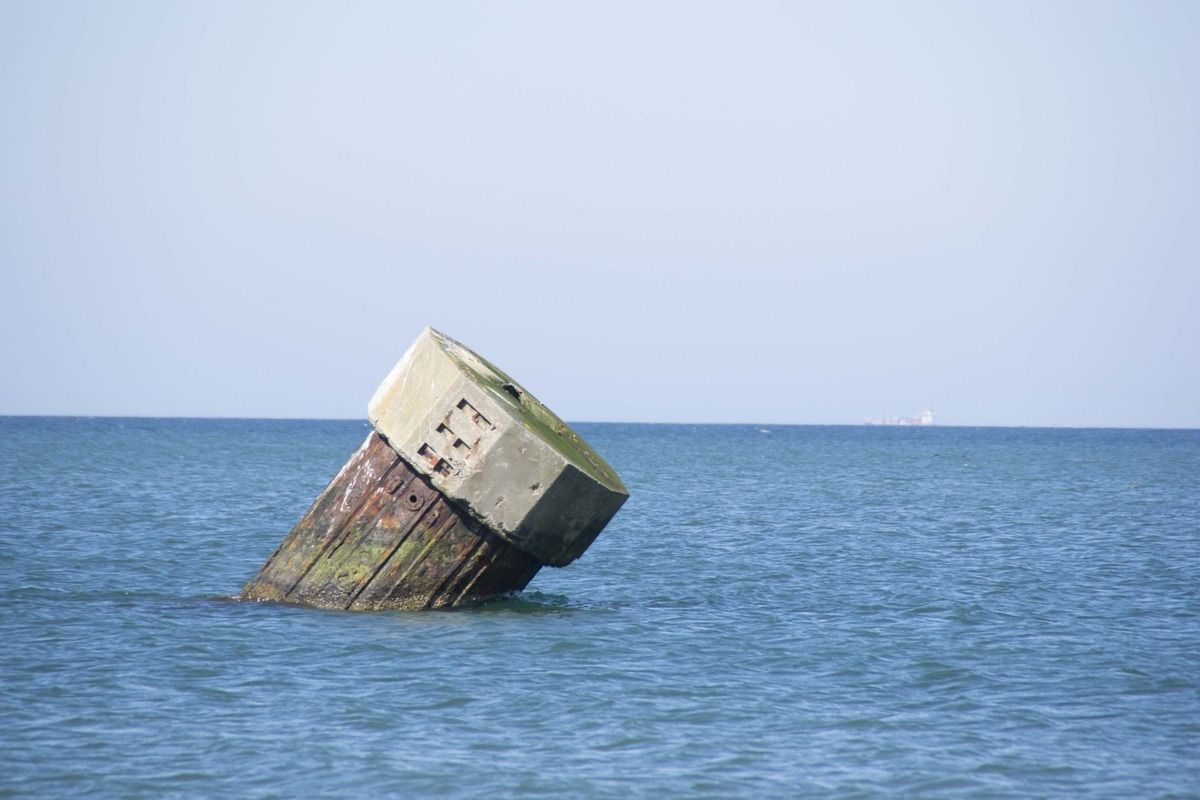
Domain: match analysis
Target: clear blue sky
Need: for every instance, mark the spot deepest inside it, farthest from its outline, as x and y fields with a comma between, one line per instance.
x=789, y=212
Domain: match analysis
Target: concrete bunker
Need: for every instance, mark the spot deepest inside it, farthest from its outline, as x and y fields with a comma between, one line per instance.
x=465, y=488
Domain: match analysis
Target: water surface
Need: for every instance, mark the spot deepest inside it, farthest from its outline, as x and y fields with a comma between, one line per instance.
x=777, y=611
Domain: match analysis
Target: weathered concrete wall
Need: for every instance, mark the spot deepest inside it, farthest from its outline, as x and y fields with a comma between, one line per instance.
x=489, y=444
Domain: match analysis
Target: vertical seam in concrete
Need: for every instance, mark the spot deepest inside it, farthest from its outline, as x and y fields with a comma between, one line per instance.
x=434, y=535
x=405, y=533
x=355, y=461
x=456, y=572
x=336, y=541
x=486, y=560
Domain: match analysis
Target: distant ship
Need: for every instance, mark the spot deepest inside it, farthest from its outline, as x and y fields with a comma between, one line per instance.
x=924, y=418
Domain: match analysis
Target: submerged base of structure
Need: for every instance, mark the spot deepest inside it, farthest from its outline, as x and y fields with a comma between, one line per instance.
x=381, y=536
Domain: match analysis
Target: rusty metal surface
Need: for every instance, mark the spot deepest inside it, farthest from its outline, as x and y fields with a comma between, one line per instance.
x=381, y=536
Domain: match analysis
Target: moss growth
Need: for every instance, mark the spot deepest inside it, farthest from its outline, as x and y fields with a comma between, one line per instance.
x=533, y=413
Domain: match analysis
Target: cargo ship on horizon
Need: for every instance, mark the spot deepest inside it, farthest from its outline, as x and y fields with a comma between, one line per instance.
x=924, y=418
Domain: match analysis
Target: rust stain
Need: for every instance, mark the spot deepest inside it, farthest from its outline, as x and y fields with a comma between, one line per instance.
x=382, y=536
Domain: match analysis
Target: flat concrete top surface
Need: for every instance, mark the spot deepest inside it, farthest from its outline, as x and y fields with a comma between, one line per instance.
x=531, y=412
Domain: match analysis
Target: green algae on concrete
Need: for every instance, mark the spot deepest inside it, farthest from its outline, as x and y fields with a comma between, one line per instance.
x=492, y=446
x=391, y=541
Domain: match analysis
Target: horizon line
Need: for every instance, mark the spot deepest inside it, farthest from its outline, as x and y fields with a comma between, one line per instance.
x=863, y=424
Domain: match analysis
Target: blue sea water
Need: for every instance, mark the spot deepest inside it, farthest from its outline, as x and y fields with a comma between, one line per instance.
x=776, y=612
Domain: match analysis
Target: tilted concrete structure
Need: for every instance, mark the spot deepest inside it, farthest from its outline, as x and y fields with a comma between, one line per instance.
x=466, y=487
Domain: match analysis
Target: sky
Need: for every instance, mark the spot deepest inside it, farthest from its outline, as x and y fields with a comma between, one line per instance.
x=661, y=212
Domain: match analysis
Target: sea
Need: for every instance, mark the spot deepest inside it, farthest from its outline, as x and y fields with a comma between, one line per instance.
x=777, y=611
